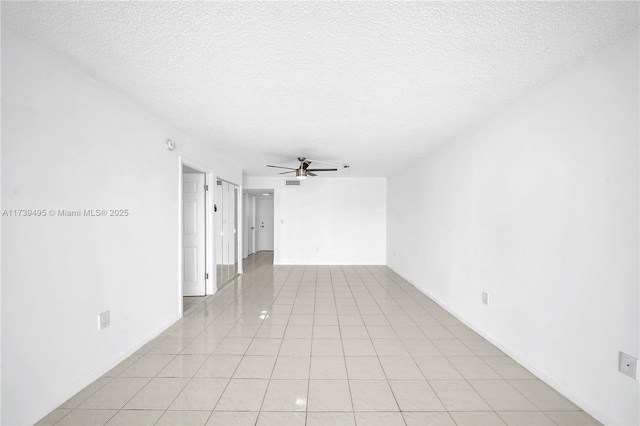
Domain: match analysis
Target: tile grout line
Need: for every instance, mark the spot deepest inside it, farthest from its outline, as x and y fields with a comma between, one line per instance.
x=470, y=385
x=277, y=355
x=378, y=285
x=380, y=362
x=353, y=407
x=419, y=369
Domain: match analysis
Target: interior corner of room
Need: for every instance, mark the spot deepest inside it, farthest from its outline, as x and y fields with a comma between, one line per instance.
x=523, y=226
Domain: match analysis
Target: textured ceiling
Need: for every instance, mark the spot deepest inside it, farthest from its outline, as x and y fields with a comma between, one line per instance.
x=372, y=84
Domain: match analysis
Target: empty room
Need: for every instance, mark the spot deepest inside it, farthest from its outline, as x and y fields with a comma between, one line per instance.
x=320, y=213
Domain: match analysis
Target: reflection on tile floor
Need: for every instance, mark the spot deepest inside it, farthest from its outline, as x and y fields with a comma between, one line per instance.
x=326, y=345
x=189, y=302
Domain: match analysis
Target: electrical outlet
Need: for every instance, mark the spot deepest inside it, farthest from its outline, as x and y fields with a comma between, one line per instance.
x=104, y=320
x=485, y=297
x=628, y=365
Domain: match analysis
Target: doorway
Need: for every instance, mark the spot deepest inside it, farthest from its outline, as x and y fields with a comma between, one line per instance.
x=193, y=233
x=264, y=222
x=258, y=220
x=248, y=224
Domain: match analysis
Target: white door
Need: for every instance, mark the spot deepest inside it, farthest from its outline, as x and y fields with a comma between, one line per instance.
x=233, y=230
x=193, y=235
x=265, y=223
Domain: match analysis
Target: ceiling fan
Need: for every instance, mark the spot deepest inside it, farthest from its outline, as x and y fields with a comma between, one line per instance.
x=303, y=171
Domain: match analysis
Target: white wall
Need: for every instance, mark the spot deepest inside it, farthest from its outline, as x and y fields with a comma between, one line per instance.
x=328, y=221
x=539, y=207
x=70, y=143
x=245, y=225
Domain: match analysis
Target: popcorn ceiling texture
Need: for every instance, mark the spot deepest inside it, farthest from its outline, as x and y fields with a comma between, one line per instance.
x=373, y=84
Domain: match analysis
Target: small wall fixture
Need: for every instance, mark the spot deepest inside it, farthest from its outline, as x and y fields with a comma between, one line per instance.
x=171, y=145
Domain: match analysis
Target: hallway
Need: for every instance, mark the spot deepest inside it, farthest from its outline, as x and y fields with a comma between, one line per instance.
x=325, y=345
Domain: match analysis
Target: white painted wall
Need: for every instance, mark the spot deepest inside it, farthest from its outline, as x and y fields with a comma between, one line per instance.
x=328, y=221
x=251, y=245
x=245, y=225
x=248, y=213
x=539, y=207
x=70, y=143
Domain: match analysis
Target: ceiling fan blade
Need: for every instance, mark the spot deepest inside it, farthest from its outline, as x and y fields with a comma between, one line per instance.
x=284, y=173
x=304, y=164
x=280, y=167
x=322, y=170
x=346, y=166
x=311, y=174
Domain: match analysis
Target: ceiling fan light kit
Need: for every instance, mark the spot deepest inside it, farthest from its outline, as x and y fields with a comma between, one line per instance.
x=304, y=171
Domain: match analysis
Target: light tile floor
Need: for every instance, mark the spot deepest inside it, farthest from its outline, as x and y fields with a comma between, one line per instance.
x=338, y=345
x=189, y=301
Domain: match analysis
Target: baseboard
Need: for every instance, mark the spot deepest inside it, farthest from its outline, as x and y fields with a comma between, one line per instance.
x=76, y=387
x=519, y=358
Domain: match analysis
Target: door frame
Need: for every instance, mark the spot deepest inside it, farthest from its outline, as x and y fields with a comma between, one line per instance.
x=209, y=176
x=238, y=219
x=250, y=230
x=260, y=202
x=256, y=191
x=252, y=247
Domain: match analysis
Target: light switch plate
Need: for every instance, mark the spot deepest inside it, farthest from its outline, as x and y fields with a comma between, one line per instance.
x=628, y=365
x=485, y=297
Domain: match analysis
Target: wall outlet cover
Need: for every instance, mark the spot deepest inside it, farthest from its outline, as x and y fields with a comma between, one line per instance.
x=628, y=365
x=104, y=320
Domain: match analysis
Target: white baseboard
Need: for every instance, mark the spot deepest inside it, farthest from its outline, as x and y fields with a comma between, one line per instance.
x=77, y=386
x=520, y=359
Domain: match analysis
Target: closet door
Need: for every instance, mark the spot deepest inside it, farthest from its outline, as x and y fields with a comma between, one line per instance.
x=219, y=237
x=227, y=232
x=233, y=241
